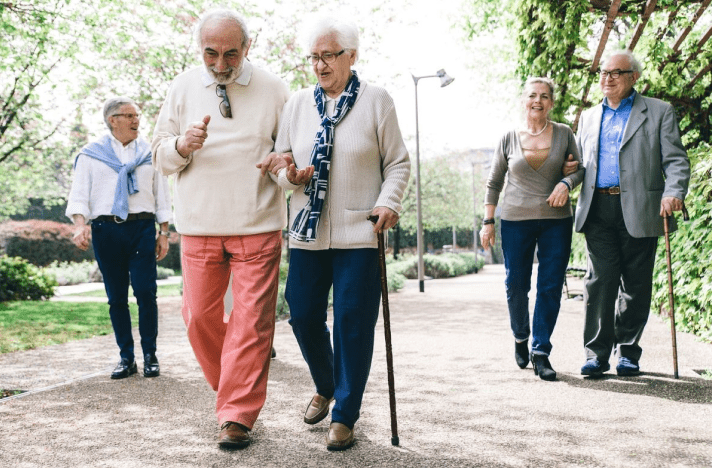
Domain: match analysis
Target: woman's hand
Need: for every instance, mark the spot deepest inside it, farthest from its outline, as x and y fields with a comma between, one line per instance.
x=487, y=236
x=387, y=218
x=274, y=162
x=297, y=176
x=559, y=196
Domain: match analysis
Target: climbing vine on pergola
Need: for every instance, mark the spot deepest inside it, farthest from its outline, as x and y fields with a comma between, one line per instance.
x=566, y=39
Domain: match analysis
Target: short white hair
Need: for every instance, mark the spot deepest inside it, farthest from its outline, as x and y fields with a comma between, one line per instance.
x=634, y=63
x=113, y=104
x=223, y=14
x=543, y=80
x=346, y=33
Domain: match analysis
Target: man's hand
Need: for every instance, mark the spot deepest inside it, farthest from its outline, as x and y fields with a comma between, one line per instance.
x=387, y=218
x=670, y=204
x=487, y=236
x=559, y=196
x=274, y=162
x=570, y=166
x=161, y=247
x=194, y=137
x=82, y=236
x=297, y=176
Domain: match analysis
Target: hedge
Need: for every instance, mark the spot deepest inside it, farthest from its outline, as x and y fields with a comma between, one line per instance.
x=22, y=281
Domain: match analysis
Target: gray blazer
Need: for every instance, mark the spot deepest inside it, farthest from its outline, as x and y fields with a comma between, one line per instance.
x=653, y=164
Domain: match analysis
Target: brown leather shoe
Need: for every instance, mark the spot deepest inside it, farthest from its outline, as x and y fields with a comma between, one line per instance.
x=233, y=436
x=317, y=410
x=339, y=437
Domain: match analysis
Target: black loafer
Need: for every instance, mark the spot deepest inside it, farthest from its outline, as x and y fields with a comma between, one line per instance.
x=123, y=369
x=150, y=366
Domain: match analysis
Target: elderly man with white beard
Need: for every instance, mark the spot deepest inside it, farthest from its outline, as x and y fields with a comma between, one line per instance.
x=217, y=123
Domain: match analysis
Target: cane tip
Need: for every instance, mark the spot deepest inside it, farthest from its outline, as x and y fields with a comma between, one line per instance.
x=395, y=441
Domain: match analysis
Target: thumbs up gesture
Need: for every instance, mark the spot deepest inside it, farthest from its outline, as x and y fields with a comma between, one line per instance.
x=194, y=137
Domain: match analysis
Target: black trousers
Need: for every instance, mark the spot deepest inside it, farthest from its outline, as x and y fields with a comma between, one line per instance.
x=618, y=283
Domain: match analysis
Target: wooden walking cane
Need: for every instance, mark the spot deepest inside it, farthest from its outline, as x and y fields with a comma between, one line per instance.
x=387, y=328
x=671, y=294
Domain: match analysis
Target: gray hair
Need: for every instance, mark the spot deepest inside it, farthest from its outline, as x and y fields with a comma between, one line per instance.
x=114, y=104
x=222, y=14
x=543, y=80
x=634, y=63
x=346, y=33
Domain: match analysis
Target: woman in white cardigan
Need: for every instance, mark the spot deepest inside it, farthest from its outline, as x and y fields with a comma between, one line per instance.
x=349, y=162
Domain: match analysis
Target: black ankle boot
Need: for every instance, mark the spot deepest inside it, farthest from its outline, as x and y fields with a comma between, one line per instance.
x=542, y=367
x=521, y=353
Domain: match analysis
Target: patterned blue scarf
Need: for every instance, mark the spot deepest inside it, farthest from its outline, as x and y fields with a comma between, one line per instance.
x=126, y=184
x=307, y=220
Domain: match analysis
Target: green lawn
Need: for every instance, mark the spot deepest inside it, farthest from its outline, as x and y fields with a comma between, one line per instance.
x=164, y=290
x=32, y=324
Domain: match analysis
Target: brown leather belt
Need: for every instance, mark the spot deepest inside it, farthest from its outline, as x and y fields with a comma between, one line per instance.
x=130, y=217
x=609, y=190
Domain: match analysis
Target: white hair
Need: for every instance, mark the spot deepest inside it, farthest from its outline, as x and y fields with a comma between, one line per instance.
x=224, y=14
x=114, y=104
x=542, y=80
x=634, y=63
x=345, y=31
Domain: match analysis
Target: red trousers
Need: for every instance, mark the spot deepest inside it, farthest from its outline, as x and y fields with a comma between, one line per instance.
x=234, y=354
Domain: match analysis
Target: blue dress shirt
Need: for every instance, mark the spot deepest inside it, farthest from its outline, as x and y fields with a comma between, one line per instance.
x=613, y=123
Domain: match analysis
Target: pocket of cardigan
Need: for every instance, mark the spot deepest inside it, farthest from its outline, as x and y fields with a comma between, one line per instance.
x=357, y=227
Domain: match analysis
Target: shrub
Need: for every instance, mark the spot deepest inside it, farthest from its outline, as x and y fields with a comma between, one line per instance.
x=691, y=255
x=21, y=281
x=41, y=242
x=66, y=273
x=172, y=260
x=439, y=266
x=163, y=273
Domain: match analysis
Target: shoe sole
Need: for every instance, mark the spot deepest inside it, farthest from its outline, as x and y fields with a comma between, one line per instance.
x=151, y=374
x=339, y=448
x=627, y=373
x=594, y=373
x=231, y=445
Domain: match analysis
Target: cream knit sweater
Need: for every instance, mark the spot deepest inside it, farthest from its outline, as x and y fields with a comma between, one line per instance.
x=369, y=166
x=218, y=191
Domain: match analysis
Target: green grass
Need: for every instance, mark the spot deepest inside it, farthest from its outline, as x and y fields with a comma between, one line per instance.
x=32, y=324
x=164, y=290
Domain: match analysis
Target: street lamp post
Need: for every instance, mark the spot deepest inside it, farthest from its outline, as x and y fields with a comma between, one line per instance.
x=444, y=81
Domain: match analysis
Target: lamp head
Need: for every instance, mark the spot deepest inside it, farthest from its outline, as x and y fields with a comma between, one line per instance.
x=445, y=79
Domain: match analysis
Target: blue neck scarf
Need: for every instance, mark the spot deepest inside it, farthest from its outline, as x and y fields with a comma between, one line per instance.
x=126, y=185
x=306, y=222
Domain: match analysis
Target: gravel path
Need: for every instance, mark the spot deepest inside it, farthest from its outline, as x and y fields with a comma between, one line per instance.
x=461, y=399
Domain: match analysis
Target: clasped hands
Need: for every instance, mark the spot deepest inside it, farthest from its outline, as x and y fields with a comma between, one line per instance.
x=275, y=162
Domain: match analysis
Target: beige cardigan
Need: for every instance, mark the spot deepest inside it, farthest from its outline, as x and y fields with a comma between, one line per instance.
x=369, y=166
x=218, y=191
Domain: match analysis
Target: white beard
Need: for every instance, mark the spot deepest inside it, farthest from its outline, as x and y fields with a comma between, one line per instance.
x=227, y=76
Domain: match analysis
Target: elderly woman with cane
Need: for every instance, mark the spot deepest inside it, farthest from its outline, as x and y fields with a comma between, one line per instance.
x=348, y=161
x=536, y=214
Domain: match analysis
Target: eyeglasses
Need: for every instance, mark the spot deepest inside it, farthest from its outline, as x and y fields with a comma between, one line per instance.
x=225, y=108
x=327, y=58
x=128, y=116
x=614, y=74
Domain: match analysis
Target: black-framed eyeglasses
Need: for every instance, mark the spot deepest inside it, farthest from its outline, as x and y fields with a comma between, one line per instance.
x=327, y=57
x=225, y=108
x=614, y=74
x=128, y=116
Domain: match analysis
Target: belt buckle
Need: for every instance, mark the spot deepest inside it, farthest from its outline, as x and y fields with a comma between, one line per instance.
x=614, y=191
x=118, y=220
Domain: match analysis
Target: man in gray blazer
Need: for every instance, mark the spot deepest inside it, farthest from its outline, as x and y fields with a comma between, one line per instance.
x=637, y=171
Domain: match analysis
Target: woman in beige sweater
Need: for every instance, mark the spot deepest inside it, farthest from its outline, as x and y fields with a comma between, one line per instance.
x=349, y=161
x=535, y=214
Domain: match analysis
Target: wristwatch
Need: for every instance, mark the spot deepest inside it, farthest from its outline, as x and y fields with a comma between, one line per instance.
x=163, y=233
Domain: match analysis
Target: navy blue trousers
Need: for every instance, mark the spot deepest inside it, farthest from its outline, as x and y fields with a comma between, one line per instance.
x=553, y=239
x=341, y=371
x=127, y=252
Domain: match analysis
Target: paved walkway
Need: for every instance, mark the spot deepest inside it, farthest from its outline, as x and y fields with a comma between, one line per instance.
x=462, y=401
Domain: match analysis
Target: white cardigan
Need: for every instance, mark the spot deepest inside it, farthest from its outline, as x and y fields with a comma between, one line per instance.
x=369, y=166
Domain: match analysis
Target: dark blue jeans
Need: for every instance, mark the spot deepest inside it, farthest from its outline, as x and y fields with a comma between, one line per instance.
x=124, y=252
x=552, y=237
x=341, y=371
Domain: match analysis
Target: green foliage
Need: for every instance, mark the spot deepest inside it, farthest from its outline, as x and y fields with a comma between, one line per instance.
x=30, y=324
x=439, y=266
x=41, y=242
x=164, y=273
x=691, y=255
x=66, y=273
x=19, y=281
x=446, y=198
